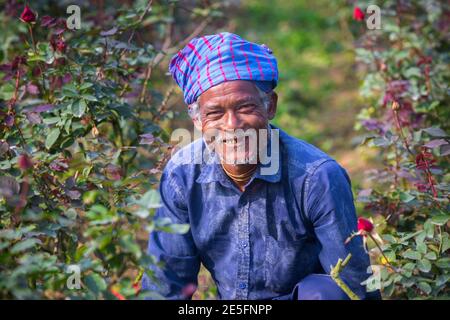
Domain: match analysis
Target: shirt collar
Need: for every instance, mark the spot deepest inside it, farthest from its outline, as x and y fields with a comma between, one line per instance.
x=212, y=170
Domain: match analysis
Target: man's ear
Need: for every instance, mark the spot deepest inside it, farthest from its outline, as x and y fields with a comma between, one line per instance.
x=272, y=106
x=197, y=124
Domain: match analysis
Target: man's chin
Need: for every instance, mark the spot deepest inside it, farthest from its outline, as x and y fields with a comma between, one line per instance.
x=238, y=158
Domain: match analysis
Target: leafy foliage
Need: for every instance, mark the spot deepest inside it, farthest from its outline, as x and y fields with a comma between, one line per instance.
x=405, y=87
x=82, y=143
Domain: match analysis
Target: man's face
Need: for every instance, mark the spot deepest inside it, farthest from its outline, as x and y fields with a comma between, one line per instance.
x=232, y=107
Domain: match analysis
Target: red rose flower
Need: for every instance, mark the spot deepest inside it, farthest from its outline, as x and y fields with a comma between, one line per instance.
x=137, y=288
x=365, y=225
x=422, y=187
x=28, y=15
x=358, y=14
x=58, y=44
x=61, y=45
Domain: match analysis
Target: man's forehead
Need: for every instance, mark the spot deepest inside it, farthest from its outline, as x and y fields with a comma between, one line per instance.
x=237, y=91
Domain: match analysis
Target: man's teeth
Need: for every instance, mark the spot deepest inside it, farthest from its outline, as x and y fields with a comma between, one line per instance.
x=230, y=141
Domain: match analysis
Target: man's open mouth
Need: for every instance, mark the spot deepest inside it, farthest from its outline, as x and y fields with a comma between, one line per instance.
x=231, y=141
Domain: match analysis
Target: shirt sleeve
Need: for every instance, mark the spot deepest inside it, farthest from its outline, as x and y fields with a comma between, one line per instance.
x=330, y=208
x=178, y=263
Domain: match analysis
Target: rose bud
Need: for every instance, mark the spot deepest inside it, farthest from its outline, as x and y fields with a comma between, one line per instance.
x=61, y=45
x=17, y=62
x=395, y=105
x=24, y=162
x=358, y=14
x=365, y=225
x=137, y=288
x=58, y=43
x=28, y=15
x=94, y=131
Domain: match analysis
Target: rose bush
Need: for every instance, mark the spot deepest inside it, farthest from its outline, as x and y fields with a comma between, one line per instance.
x=405, y=89
x=82, y=142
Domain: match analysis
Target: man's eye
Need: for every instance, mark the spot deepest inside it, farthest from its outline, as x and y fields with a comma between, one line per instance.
x=213, y=113
x=247, y=107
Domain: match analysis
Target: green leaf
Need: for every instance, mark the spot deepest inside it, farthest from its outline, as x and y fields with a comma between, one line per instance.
x=86, y=85
x=443, y=263
x=51, y=120
x=52, y=137
x=390, y=255
x=431, y=255
x=424, y=265
x=406, y=197
x=150, y=200
x=389, y=238
x=7, y=91
x=24, y=245
x=79, y=108
x=381, y=142
x=409, y=236
x=442, y=279
x=103, y=240
x=429, y=228
x=440, y=220
x=413, y=72
x=5, y=165
x=425, y=287
x=445, y=244
x=129, y=245
x=95, y=283
x=410, y=254
x=69, y=90
x=422, y=248
x=435, y=132
x=71, y=213
x=89, y=97
x=67, y=142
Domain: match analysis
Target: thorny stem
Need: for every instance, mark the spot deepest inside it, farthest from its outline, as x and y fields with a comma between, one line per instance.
x=32, y=38
x=35, y=51
x=382, y=253
x=336, y=270
x=395, y=107
x=42, y=184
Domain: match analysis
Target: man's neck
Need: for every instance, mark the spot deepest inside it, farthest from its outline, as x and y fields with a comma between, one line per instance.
x=240, y=174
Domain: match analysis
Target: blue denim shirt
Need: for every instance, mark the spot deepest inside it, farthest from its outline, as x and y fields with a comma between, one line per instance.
x=257, y=244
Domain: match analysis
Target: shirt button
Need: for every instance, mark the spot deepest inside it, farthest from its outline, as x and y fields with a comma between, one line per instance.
x=242, y=285
x=243, y=244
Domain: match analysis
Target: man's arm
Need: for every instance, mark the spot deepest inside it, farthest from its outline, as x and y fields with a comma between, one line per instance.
x=177, y=251
x=330, y=208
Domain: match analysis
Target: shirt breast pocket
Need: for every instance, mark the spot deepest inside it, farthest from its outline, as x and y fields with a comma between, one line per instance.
x=286, y=263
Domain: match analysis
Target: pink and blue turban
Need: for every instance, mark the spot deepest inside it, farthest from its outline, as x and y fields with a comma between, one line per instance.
x=210, y=60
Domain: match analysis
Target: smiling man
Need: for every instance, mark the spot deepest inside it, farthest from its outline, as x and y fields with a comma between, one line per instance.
x=262, y=234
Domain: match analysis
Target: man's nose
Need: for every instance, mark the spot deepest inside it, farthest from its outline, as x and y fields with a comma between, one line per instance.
x=232, y=120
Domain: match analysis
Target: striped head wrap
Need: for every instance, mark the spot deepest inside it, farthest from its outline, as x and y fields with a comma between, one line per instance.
x=212, y=59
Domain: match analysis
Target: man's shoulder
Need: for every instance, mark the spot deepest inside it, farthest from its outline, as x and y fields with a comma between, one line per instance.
x=307, y=164
x=302, y=157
